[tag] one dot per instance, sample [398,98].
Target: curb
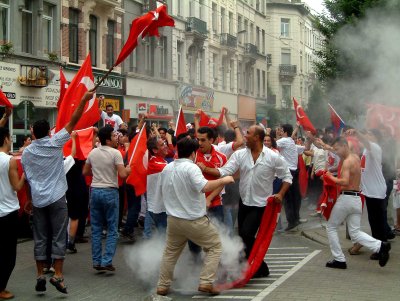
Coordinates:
[314,238]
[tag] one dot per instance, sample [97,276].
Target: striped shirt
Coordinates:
[43,165]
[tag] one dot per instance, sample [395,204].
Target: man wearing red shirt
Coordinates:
[208,156]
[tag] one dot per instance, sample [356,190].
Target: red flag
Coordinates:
[145,25]
[206,120]
[81,83]
[84,144]
[302,117]
[138,162]
[381,116]
[4,100]
[337,121]
[303,177]
[180,123]
[63,88]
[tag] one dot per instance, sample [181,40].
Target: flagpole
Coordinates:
[177,120]
[335,112]
[102,79]
[137,142]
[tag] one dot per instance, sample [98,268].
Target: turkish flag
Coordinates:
[147,24]
[139,159]
[302,117]
[63,88]
[84,144]
[337,121]
[382,116]
[206,120]
[4,100]
[81,83]
[180,123]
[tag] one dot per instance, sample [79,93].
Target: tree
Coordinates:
[317,109]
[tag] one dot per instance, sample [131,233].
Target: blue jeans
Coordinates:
[104,205]
[133,209]
[160,220]
[148,224]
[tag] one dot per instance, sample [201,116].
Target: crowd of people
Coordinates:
[196,182]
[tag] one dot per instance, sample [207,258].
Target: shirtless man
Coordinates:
[348,208]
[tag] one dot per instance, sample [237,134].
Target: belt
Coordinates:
[349,192]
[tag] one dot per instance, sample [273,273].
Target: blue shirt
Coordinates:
[43,165]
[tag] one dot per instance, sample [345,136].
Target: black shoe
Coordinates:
[81,240]
[374,256]
[71,248]
[334,264]
[128,236]
[384,253]
[391,235]
[40,284]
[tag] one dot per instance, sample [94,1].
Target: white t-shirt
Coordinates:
[319,158]
[288,150]
[225,148]
[373,183]
[8,197]
[115,121]
[181,183]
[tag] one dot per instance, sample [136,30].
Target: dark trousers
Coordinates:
[292,201]
[376,212]
[8,249]
[249,220]
[121,192]
[389,188]
[134,206]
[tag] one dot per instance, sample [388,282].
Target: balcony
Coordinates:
[228,40]
[251,49]
[287,71]
[196,25]
[34,76]
[269,59]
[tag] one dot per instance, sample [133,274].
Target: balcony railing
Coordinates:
[34,76]
[250,49]
[287,70]
[196,25]
[269,59]
[228,40]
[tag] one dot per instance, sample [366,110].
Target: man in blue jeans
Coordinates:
[104,163]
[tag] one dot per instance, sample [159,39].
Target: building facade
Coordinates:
[292,41]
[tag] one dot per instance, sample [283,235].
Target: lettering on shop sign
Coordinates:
[109,82]
[158,110]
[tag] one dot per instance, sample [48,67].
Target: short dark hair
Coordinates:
[4,133]
[186,146]
[221,129]
[211,133]
[162,129]
[105,134]
[340,141]
[287,128]
[109,105]
[41,128]
[273,142]
[27,137]
[229,135]
[123,132]
[152,144]
[258,130]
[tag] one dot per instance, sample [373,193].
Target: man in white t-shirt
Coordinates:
[108,117]
[182,186]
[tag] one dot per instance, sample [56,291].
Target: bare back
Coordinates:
[351,169]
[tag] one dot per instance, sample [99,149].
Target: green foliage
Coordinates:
[317,109]
[274,117]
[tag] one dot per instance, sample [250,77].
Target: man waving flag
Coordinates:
[81,83]
[302,118]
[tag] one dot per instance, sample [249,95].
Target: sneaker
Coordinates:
[128,236]
[315,214]
[40,284]
[303,220]
[109,267]
[384,253]
[391,235]
[71,248]
[334,264]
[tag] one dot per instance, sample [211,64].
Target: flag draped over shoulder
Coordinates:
[337,122]
[63,88]
[80,84]
[302,118]
[147,24]
[138,155]
[261,244]
[84,144]
[180,123]
[4,100]
[381,116]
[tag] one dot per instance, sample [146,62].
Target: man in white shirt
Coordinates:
[108,117]
[290,153]
[258,166]
[182,187]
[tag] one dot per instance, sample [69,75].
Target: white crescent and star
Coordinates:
[89,84]
[298,113]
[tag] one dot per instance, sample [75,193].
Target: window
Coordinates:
[263,84]
[110,43]
[285,57]
[191,9]
[179,47]
[27,27]
[258,82]
[214,17]
[4,21]
[231,73]
[258,37]
[246,34]
[201,10]
[163,57]
[73,35]
[251,33]
[179,7]
[47,28]
[263,42]
[239,29]
[223,20]
[230,23]
[93,39]
[285,30]
[239,80]
[223,71]
[215,66]
[147,55]
[286,95]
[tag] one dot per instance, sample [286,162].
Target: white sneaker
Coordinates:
[303,220]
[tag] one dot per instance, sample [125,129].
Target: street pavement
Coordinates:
[296,260]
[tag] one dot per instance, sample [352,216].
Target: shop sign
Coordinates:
[110,101]
[141,108]
[193,98]
[158,110]
[110,82]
